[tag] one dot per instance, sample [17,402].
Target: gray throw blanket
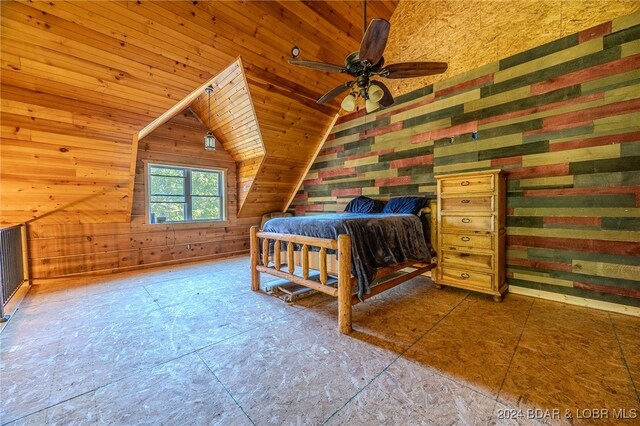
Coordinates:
[377,240]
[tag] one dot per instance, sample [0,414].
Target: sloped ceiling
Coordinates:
[81,78]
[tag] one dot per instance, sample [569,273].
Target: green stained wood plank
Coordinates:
[630,223]
[595,200]
[360,143]
[622,36]
[318,193]
[446,147]
[574,155]
[433,116]
[625,21]
[577,211]
[517,253]
[373,159]
[340,178]
[427,189]
[372,167]
[552,71]
[513,186]
[410,153]
[525,221]
[438,105]
[576,292]
[423,179]
[371,191]
[426,169]
[414,94]
[564,55]
[399,190]
[328,157]
[327,164]
[381,174]
[540,51]
[509,129]
[599,180]
[630,149]
[603,166]
[622,94]
[368,125]
[575,131]
[502,106]
[467,76]
[456,158]
[547,182]
[514,150]
[541,279]
[630,49]
[489,100]
[610,270]
[587,234]
[463,167]
[341,141]
[566,256]
[611,82]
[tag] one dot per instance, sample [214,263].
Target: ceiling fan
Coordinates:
[366,63]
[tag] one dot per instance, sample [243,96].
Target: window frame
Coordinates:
[188,196]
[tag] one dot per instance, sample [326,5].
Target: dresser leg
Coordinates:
[438,286]
[497,298]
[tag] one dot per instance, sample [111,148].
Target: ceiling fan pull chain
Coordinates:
[364,18]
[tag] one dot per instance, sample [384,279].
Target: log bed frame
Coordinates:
[307,260]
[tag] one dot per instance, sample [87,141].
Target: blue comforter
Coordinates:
[377,240]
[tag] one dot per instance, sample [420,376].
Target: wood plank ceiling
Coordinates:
[81,78]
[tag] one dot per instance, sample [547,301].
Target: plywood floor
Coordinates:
[193,345]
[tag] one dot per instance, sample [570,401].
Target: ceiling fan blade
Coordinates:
[387,98]
[320,66]
[413,69]
[374,41]
[335,92]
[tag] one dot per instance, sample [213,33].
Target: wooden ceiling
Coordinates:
[81,78]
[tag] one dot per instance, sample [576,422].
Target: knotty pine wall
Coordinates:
[563,119]
[61,245]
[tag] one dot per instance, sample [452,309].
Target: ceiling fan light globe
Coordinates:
[209,142]
[348,103]
[371,105]
[375,93]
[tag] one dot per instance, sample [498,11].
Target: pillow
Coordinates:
[364,204]
[411,205]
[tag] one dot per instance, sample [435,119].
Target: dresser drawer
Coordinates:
[463,240]
[466,259]
[455,204]
[468,222]
[467,185]
[465,278]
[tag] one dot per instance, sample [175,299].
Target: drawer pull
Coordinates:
[465,201]
[464,275]
[465,238]
[466,220]
[465,183]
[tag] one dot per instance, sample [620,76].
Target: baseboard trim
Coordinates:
[578,301]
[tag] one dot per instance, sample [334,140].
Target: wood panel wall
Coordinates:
[62,244]
[563,119]
[471,33]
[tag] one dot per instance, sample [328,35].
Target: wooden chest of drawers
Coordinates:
[471,231]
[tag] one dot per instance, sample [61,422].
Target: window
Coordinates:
[183,194]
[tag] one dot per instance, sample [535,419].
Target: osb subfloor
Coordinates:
[193,345]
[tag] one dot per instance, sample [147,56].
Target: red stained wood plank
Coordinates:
[538,264]
[350,116]
[506,161]
[555,126]
[594,32]
[301,197]
[415,161]
[580,221]
[469,127]
[629,292]
[581,191]
[539,171]
[346,192]
[311,182]
[405,108]
[601,140]
[599,71]
[331,150]
[547,107]
[381,130]
[400,180]
[591,114]
[331,137]
[591,246]
[476,82]
[510,211]
[336,172]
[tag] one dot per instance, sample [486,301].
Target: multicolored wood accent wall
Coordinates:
[563,119]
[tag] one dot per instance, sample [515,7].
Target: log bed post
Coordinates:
[255,255]
[344,284]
